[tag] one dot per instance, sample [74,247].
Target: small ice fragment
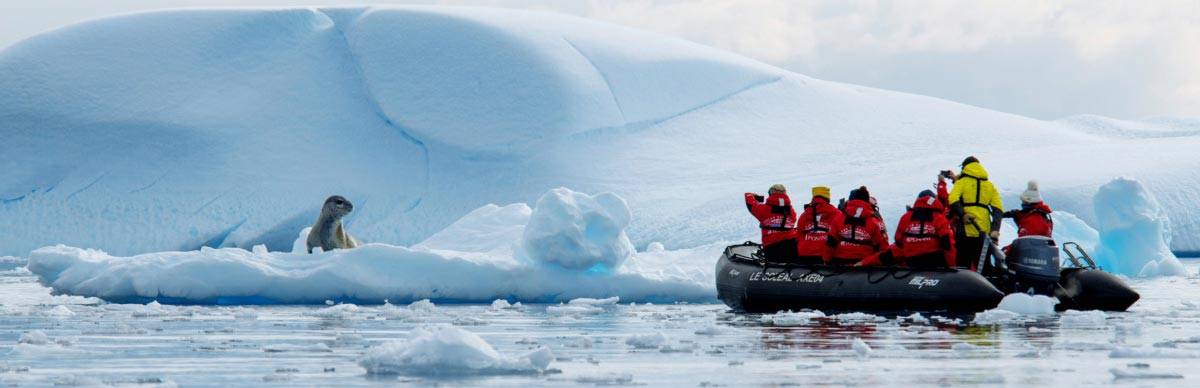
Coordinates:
[1128,374]
[1083,319]
[861,348]
[34,337]
[646,341]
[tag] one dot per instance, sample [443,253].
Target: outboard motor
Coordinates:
[1034,262]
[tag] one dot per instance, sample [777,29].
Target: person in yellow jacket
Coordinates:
[977,206]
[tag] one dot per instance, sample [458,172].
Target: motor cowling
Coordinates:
[1034,258]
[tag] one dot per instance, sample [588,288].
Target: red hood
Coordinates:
[819,200]
[779,199]
[858,208]
[928,202]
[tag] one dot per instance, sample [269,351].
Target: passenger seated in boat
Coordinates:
[814,226]
[924,238]
[777,220]
[1033,219]
[861,232]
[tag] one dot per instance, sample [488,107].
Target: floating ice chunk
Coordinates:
[858,317]
[1133,374]
[579,231]
[1135,232]
[422,305]
[647,341]
[319,347]
[1144,352]
[1083,319]
[341,311]
[996,317]
[861,348]
[788,318]
[916,318]
[1026,304]
[34,337]
[59,311]
[710,330]
[501,304]
[152,309]
[595,302]
[449,351]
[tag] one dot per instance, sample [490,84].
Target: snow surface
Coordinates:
[174,130]
[449,351]
[375,273]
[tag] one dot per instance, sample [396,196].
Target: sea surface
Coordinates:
[88,342]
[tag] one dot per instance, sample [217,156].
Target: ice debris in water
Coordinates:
[1144,352]
[449,351]
[1083,319]
[861,348]
[1131,374]
[34,337]
[788,318]
[1026,304]
[858,317]
[1135,232]
[583,306]
[647,341]
[579,231]
[1015,307]
[341,311]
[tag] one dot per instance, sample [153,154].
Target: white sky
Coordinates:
[1045,59]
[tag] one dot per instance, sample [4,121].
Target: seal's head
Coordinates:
[337,206]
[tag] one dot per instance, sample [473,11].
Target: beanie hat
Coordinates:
[821,191]
[925,193]
[860,194]
[1031,194]
[969,160]
[777,188]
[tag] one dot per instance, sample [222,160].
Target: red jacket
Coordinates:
[924,230]
[818,219]
[775,217]
[1032,220]
[860,234]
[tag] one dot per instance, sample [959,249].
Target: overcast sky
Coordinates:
[1044,59]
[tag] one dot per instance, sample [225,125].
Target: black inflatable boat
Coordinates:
[749,282]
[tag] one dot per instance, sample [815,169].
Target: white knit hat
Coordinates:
[1031,194]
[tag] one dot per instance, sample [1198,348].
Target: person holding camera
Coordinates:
[777,219]
[976,204]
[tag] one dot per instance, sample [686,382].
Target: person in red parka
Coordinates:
[777,219]
[1033,219]
[860,234]
[815,226]
[924,238]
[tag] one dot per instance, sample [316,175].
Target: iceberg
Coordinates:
[176,130]
[378,273]
[1135,231]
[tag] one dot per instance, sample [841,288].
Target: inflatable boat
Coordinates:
[748,282]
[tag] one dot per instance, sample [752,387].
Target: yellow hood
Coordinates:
[976,170]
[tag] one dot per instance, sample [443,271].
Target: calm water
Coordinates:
[91,343]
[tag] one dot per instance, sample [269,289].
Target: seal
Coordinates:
[327,232]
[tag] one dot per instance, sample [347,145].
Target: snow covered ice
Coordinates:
[339,104]
[490,268]
[515,233]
